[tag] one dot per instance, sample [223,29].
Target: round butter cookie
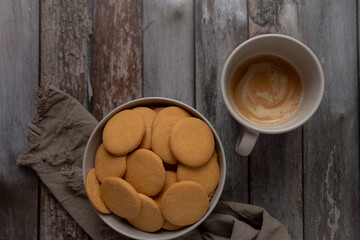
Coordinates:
[184,203]
[145,172]
[92,187]
[169,226]
[120,197]
[170,179]
[170,111]
[123,132]
[148,116]
[108,165]
[150,218]
[160,139]
[158,109]
[192,142]
[207,175]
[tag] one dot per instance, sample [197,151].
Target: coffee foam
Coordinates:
[267,93]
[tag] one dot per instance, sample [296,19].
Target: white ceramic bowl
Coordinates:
[121,225]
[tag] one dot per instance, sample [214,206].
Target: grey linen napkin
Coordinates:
[59,132]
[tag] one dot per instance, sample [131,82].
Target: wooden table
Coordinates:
[105,53]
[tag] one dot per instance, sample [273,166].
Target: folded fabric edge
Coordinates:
[72,175]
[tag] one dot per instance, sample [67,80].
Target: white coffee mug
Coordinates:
[308,67]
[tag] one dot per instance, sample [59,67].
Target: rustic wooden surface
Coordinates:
[117,54]
[19,56]
[169,49]
[308,179]
[219,29]
[331,138]
[275,170]
[65,33]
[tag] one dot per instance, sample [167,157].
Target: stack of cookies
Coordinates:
[156,168]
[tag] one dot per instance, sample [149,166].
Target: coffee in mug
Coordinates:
[259,96]
[266,89]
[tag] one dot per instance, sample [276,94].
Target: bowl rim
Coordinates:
[144,101]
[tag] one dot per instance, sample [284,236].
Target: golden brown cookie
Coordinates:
[108,165]
[150,218]
[148,116]
[192,142]
[207,175]
[120,197]
[158,109]
[145,172]
[170,111]
[161,136]
[170,179]
[123,132]
[184,203]
[93,192]
[169,226]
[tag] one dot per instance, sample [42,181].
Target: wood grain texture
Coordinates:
[19,63]
[64,38]
[276,161]
[65,30]
[55,221]
[275,16]
[331,137]
[276,179]
[220,26]
[169,49]
[117,59]
[117,54]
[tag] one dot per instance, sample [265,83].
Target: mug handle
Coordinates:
[246,141]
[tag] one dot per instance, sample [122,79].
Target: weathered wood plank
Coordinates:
[275,17]
[55,221]
[276,179]
[19,64]
[276,161]
[117,55]
[220,26]
[331,138]
[117,58]
[169,49]
[65,29]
